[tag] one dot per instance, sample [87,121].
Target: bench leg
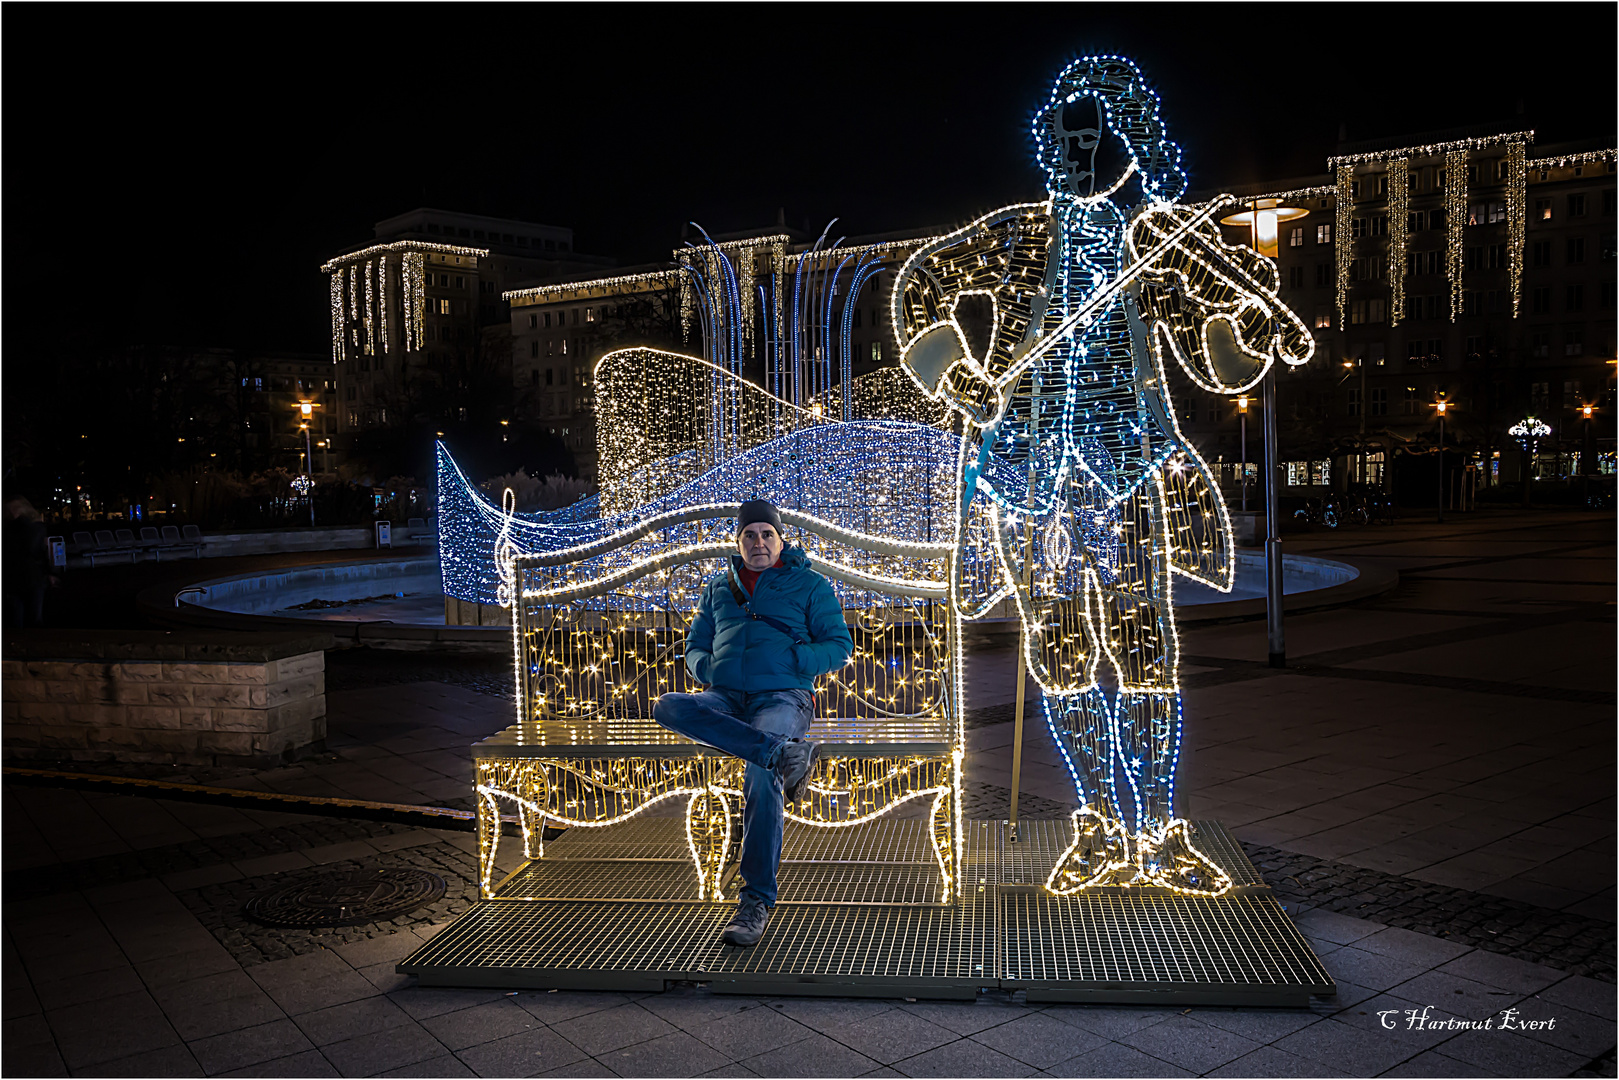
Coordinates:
[531,782]
[944,843]
[708,833]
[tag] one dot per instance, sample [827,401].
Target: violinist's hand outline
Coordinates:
[1254,324]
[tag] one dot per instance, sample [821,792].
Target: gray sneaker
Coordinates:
[747,926]
[794,764]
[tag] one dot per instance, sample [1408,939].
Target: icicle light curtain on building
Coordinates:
[1047,470]
[363,283]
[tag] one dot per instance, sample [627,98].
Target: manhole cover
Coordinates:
[345,899]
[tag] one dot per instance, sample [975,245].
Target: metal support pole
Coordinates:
[1243,476]
[1022,648]
[309,462]
[1441,468]
[1275,630]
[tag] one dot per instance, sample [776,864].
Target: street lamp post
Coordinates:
[1263,218]
[1242,413]
[1441,405]
[1529,431]
[306,412]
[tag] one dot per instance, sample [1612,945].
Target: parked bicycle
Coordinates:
[1327,510]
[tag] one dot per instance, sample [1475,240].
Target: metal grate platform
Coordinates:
[849,924]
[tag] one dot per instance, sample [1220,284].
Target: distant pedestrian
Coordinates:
[27,564]
[764,631]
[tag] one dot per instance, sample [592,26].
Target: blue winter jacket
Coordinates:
[727,649]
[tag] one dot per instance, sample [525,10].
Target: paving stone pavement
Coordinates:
[1438,764]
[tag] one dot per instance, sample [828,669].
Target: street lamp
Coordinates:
[1441,405]
[1242,413]
[306,412]
[1263,218]
[1529,431]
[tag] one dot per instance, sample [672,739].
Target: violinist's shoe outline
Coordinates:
[1172,860]
[1099,855]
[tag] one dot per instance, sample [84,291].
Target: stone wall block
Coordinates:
[226,719]
[47,669]
[154,716]
[294,667]
[22,690]
[169,693]
[131,671]
[67,738]
[224,696]
[195,718]
[36,712]
[129,693]
[287,690]
[233,743]
[251,674]
[194,672]
[68,691]
[13,669]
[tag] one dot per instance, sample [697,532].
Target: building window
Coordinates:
[1380,225]
[1379,398]
[1354,402]
[1574,341]
[1574,299]
[1475,346]
[1357,228]
[1540,253]
[565,344]
[1323,234]
[1571,394]
[534,348]
[876,352]
[444,307]
[1295,277]
[1576,206]
[1540,301]
[534,376]
[1323,320]
[1323,275]
[1576,249]
[1543,210]
[576,316]
[533,321]
[1497,256]
[1382,183]
[1408,401]
[590,314]
[460,282]
[550,347]
[1537,396]
[1540,344]
[548,320]
[550,376]
[1608,197]
[1295,236]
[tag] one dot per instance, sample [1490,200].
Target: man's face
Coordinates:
[1093,158]
[760,545]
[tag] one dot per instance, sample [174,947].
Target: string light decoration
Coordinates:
[1074,473]
[338,350]
[1453,146]
[414,278]
[1071,492]
[361,312]
[1564,161]
[1517,179]
[370,313]
[1399,206]
[1343,246]
[1455,221]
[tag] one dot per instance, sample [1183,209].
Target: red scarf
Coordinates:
[750,578]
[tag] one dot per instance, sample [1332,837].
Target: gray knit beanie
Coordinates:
[757,510]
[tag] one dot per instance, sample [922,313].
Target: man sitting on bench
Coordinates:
[763,632]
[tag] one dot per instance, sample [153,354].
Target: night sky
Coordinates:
[182,173]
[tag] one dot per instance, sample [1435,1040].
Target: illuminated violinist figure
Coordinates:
[1048,326]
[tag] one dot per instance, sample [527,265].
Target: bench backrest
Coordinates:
[600,628]
[148,534]
[82,539]
[191,532]
[171,534]
[104,538]
[125,537]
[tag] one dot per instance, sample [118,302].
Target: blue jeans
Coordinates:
[752,727]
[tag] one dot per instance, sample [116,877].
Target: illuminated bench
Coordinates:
[599,634]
